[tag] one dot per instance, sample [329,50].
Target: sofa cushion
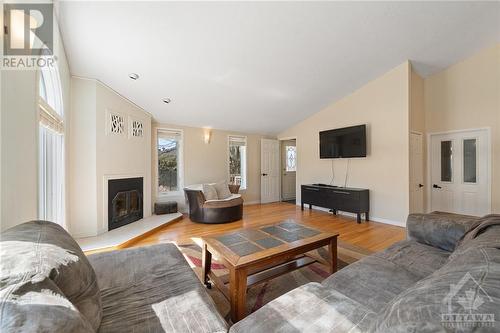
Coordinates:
[419,259]
[441,230]
[222,190]
[34,251]
[466,285]
[372,281]
[309,308]
[485,234]
[210,192]
[39,307]
[151,289]
[233,200]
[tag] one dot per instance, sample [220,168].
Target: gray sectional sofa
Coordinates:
[47,284]
[444,278]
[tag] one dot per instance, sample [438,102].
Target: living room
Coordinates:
[250,166]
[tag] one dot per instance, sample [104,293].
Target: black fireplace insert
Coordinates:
[125,201]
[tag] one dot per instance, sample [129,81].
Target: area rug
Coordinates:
[260,294]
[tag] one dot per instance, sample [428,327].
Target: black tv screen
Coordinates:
[343,142]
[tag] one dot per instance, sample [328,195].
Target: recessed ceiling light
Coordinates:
[133,76]
[166,100]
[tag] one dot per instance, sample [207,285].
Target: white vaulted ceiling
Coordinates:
[262,66]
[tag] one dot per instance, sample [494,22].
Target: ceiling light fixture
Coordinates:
[167,100]
[133,76]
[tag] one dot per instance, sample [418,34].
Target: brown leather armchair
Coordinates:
[213,211]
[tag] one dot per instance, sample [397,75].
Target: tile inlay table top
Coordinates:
[254,255]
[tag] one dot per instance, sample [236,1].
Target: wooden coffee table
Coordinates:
[254,255]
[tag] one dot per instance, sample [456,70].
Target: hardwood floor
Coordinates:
[372,236]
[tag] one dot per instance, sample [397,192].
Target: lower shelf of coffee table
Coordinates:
[262,275]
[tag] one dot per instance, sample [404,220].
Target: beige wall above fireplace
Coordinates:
[110,137]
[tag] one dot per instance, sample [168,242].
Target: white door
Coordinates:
[460,163]
[269,170]
[288,169]
[416,173]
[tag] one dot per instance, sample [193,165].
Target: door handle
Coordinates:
[341,192]
[420,185]
[264,174]
[436,186]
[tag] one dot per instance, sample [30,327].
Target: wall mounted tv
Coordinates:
[343,142]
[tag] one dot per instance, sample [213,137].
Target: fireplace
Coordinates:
[125,201]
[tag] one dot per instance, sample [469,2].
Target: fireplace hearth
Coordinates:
[125,201]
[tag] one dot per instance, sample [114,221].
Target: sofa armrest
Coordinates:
[122,267]
[437,229]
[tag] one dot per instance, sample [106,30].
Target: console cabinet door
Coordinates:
[347,200]
[313,195]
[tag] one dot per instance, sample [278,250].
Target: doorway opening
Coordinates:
[288,153]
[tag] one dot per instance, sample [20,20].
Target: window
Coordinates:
[238,160]
[446,161]
[169,150]
[51,147]
[470,161]
[291,158]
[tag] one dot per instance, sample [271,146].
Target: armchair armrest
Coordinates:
[437,229]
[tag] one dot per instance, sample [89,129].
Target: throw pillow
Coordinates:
[48,251]
[222,190]
[210,192]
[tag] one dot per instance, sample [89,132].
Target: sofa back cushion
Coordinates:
[34,251]
[210,192]
[441,230]
[222,190]
[463,294]
[39,307]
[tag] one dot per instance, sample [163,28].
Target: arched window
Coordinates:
[51,146]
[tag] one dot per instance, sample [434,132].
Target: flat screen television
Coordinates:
[343,142]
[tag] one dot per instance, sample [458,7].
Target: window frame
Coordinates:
[51,118]
[180,164]
[244,185]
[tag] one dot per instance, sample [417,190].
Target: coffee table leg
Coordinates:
[332,249]
[206,259]
[238,293]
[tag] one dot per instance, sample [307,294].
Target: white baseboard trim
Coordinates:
[372,218]
[83,234]
[255,202]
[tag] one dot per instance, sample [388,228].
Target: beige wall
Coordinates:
[82,158]
[382,104]
[19,138]
[120,156]
[417,107]
[467,96]
[206,163]
[97,156]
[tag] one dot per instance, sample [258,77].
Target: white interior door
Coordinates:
[460,164]
[288,169]
[269,170]
[416,173]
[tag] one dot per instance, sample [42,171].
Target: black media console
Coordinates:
[353,200]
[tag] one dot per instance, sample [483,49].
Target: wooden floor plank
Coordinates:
[372,236]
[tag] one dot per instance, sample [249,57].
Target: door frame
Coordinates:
[429,164]
[281,166]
